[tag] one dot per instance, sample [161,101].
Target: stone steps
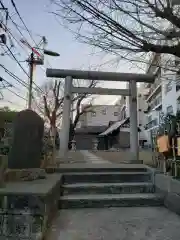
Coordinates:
[110,200]
[107,188]
[83,168]
[106,177]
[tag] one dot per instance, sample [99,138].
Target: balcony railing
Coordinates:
[153,90]
[157,103]
[151,124]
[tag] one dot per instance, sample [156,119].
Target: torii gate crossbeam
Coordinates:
[69,75]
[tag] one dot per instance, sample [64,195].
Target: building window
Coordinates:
[116,113]
[168,87]
[93,114]
[104,111]
[170,110]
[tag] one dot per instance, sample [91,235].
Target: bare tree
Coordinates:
[127,28]
[50,106]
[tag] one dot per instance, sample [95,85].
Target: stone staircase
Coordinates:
[109,187]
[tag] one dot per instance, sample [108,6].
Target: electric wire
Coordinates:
[17,11]
[37,87]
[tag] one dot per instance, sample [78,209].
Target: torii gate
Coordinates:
[132,78]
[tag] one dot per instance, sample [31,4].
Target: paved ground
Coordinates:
[92,158]
[72,157]
[117,224]
[124,156]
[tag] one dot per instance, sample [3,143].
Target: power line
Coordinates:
[29,30]
[2,5]
[38,88]
[19,43]
[22,82]
[13,54]
[11,85]
[17,11]
[16,94]
[17,61]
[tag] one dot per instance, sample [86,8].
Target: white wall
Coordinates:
[169,98]
[100,119]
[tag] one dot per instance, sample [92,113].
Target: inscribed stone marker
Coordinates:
[27,142]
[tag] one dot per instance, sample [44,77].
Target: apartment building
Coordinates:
[99,115]
[141,106]
[163,96]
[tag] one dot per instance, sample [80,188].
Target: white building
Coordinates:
[141,106]
[163,96]
[99,115]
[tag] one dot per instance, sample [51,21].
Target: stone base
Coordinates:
[25,174]
[61,160]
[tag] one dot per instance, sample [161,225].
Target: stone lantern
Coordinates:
[95,144]
[73,145]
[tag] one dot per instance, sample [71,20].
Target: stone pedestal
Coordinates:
[16,175]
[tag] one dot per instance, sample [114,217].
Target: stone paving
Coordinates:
[150,223]
[92,158]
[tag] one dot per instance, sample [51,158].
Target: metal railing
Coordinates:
[153,89]
[151,124]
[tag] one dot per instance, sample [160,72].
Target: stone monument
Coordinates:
[27,141]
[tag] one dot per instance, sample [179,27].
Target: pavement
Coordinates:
[92,158]
[139,223]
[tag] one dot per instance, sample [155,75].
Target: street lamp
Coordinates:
[39,60]
[51,53]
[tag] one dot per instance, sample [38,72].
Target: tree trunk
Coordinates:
[53,134]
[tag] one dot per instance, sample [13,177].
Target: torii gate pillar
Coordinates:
[134,139]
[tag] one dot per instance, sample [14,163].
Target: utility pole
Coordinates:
[31,68]
[36,58]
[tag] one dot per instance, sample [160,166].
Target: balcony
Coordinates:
[154,90]
[157,103]
[147,110]
[151,124]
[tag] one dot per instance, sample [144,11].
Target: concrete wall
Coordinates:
[170,188]
[103,114]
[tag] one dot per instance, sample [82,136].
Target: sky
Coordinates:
[73,55]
